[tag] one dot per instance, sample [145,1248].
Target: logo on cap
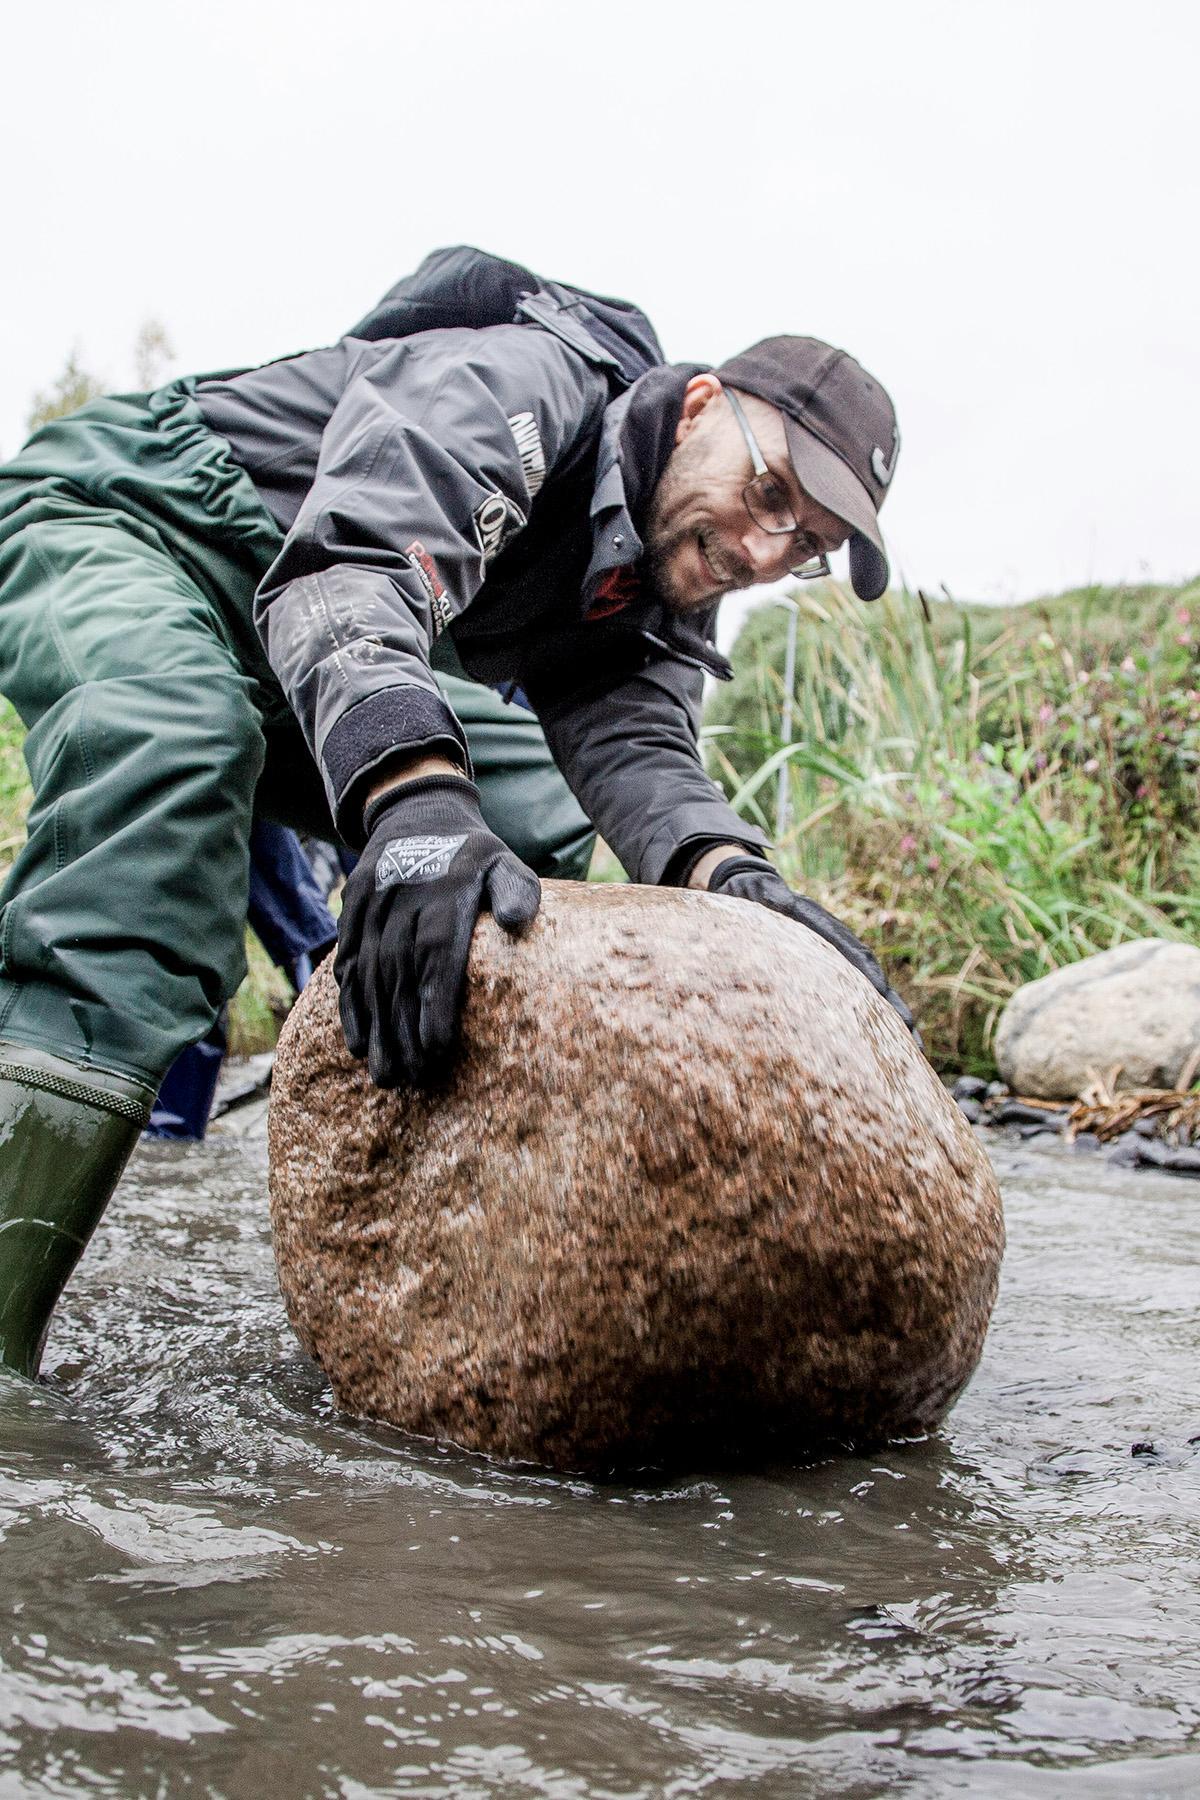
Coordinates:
[882,469]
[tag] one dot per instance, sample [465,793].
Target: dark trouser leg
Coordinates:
[289,917]
[185,1098]
[121,925]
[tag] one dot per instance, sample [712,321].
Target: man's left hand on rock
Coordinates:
[751,878]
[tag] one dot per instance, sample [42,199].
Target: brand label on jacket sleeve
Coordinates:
[528,438]
[496,518]
[426,570]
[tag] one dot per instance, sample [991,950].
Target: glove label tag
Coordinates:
[416,859]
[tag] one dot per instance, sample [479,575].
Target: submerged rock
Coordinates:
[692,1193]
[1178,1159]
[1135,1009]
[1016,1112]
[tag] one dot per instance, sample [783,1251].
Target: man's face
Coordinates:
[701,542]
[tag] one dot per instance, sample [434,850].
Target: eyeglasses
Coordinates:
[769,505]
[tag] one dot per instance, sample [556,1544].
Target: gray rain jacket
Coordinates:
[453,465]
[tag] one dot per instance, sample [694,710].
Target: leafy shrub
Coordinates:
[984,794]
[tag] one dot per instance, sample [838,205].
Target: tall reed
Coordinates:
[984,794]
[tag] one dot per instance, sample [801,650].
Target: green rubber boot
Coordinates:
[65,1135]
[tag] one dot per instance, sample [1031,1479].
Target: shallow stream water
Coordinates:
[211,1583]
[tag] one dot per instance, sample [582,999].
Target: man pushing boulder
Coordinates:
[445,590]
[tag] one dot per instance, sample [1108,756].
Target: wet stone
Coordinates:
[1015,1112]
[242,1080]
[969,1087]
[972,1111]
[1177,1159]
[691,1194]
[1135,1009]
[1124,1151]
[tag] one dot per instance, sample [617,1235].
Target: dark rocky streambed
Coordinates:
[212,1584]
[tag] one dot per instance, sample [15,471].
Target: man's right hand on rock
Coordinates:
[430,867]
[753,878]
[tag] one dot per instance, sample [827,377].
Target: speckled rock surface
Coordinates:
[1135,1009]
[692,1194]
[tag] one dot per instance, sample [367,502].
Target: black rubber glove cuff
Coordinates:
[678,871]
[376,809]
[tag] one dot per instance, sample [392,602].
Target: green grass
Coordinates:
[984,794]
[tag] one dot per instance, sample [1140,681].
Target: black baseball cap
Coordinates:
[841,432]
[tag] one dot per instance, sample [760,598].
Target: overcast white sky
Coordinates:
[993,206]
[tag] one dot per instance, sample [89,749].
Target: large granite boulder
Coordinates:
[692,1193]
[1135,1009]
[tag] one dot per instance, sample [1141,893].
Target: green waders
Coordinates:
[130,548]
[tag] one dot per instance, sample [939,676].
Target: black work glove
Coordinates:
[750,878]
[431,866]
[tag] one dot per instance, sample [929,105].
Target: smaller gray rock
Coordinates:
[243,1079]
[1135,1009]
[1177,1159]
[1124,1152]
[971,1111]
[1015,1112]
[996,1090]
[969,1087]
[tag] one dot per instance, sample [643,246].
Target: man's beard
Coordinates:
[660,579]
[685,471]
[661,543]
[660,557]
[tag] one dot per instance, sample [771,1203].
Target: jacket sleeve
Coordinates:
[631,755]
[428,465]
